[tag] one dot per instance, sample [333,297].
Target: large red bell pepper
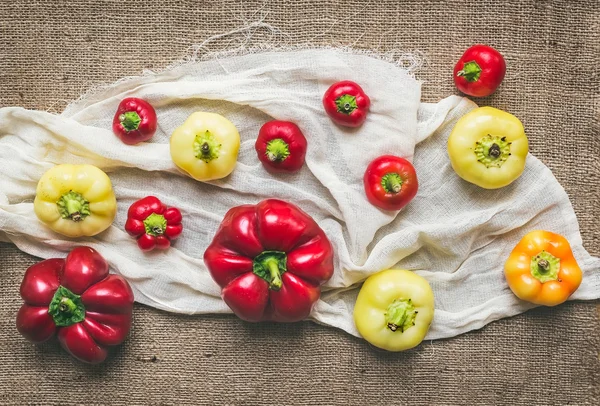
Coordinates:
[78,300]
[270,260]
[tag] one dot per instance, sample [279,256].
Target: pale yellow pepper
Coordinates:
[205,146]
[75,200]
[394,309]
[488,147]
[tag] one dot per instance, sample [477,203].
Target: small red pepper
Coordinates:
[346,103]
[153,224]
[76,299]
[479,71]
[270,259]
[134,121]
[281,146]
[390,182]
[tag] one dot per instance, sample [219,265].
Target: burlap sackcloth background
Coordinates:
[51,54]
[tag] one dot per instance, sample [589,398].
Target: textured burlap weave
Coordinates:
[51,53]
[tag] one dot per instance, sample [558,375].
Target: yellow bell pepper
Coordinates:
[205,146]
[394,309]
[488,147]
[75,200]
[542,269]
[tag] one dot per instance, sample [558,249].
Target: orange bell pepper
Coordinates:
[541,269]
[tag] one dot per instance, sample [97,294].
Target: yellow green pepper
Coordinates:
[394,309]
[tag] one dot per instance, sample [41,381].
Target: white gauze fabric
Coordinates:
[455,234]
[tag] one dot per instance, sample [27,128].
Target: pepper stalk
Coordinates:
[270,265]
[471,71]
[66,308]
[206,147]
[392,182]
[277,150]
[400,315]
[130,120]
[73,206]
[346,104]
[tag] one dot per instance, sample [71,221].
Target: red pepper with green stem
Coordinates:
[153,224]
[270,260]
[346,103]
[390,182]
[134,121]
[479,71]
[281,146]
[77,300]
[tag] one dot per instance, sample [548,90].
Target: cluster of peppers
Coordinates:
[488,147]
[270,259]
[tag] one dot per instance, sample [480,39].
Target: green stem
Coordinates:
[400,315]
[392,182]
[66,308]
[277,150]
[206,147]
[470,71]
[270,265]
[73,206]
[155,224]
[273,268]
[346,104]
[130,120]
[544,267]
[492,150]
[74,209]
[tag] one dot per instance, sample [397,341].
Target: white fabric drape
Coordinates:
[455,234]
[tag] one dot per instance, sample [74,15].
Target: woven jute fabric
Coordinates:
[51,52]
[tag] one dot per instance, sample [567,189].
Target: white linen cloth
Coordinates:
[455,234]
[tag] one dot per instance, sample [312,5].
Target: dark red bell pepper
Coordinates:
[134,121]
[390,182]
[270,260]
[346,103]
[76,299]
[153,224]
[281,146]
[479,71]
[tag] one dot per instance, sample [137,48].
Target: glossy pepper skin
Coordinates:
[541,269]
[270,260]
[281,146]
[346,104]
[394,309]
[75,200]
[134,121]
[153,224]
[390,182]
[77,300]
[479,71]
[488,147]
[205,146]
